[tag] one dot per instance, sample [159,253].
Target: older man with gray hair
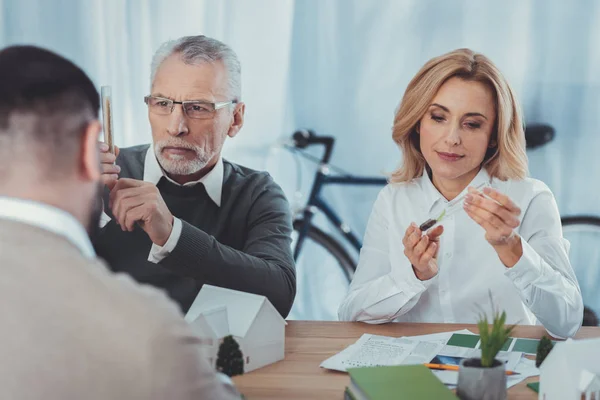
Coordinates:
[177,215]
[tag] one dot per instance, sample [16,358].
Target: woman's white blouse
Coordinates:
[540,288]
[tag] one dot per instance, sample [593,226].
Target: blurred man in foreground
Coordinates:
[71,329]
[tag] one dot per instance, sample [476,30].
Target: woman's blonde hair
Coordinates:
[506,160]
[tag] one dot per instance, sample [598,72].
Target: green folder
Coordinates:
[506,345]
[470,341]
[528,346]
[462,340]
[535,386]
[403,382]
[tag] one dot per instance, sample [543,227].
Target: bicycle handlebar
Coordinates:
[537,135]
[305,137]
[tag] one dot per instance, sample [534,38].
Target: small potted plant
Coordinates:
[230,359]
[543,350]
[485,378]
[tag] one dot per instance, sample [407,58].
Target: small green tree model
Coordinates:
[543,350]
[492,339]
[230,359]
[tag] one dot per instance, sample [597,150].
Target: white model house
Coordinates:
[251,319]
[571,371]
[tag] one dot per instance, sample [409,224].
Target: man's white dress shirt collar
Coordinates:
[49,218]
[212,181]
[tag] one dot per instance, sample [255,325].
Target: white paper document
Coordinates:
[374,350]
[423,353]
[369,351]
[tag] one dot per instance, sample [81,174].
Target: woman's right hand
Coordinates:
[110,171]
[421,250]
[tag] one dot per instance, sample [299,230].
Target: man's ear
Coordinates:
[89,161]
[238,120]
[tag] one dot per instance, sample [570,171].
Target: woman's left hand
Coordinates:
[499,216]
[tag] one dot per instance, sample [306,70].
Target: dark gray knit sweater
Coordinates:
[244,244]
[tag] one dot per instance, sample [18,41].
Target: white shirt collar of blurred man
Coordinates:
[49,218]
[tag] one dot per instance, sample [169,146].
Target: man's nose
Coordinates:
[177,122]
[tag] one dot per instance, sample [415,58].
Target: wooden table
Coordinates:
[308,343]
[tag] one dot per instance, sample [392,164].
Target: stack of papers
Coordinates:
[374,350]
[438,348]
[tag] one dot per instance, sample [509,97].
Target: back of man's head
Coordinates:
[46,106]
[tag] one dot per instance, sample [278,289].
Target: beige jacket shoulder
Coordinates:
[70,329]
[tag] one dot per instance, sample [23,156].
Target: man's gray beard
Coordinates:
[182,166]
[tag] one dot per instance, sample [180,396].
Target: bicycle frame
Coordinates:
[316,202]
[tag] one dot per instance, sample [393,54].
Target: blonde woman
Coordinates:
[459,127]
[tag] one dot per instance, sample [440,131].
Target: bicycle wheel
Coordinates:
[323,272]
[583,232]
[346,263]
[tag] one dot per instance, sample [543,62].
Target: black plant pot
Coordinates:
[480,383]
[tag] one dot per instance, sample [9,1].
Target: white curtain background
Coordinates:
[340,67]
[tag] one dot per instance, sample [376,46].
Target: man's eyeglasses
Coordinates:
[192,108]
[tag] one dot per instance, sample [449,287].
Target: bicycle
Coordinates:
[303,225]
[537,135]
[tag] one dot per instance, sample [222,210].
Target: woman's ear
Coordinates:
[493,144]
[418,128]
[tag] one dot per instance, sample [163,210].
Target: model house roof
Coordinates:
[241,308]
[588,381]
[579,360]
